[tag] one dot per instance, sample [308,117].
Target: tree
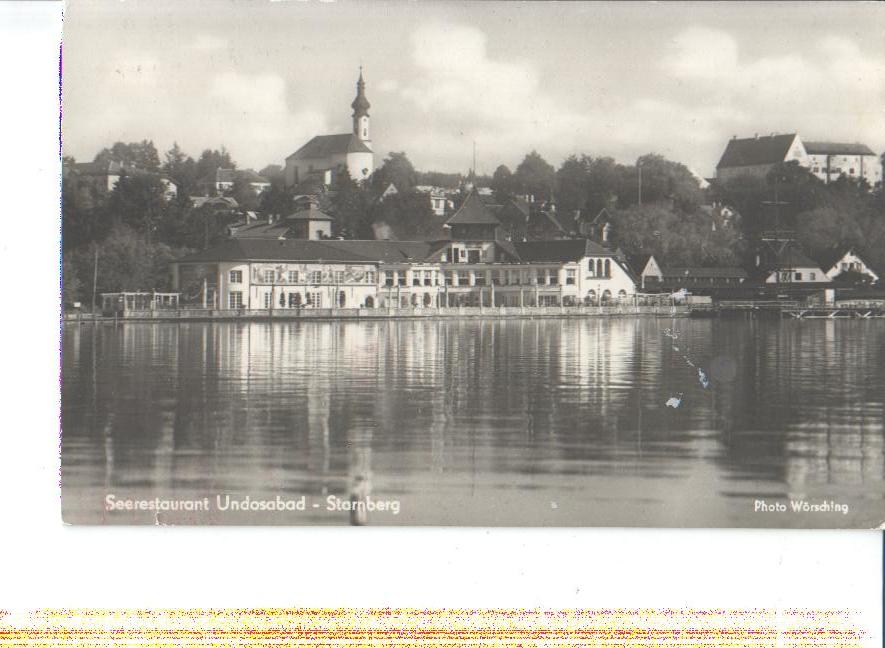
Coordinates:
[72,287]
[675,237]
[84,216]
[138,202]
[182,170]
[535,176]
[126,262]
[409,215]
[209,162]
[350,206]
[271,172]
[603,184]
[396,169]
[276,200]
[142,155]
[244,194]
[663,179]
[503,183]
[572,181]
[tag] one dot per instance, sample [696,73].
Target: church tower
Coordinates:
[361,107]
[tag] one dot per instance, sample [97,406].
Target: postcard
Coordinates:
[473,264]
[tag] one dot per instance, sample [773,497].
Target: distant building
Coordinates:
[331,153]
[829,160]
[756,156]
[849,261]
[307,222]
[271,266]
[695,279]
[439,201]
[104,176]
[790,266]
[225,179]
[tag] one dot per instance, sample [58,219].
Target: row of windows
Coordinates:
[597,268]
[312,277]
[797,276]
[541,277]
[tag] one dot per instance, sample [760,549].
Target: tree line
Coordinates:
[655,206]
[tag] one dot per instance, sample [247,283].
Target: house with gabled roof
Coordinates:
[272,265]
[756,156]
[843,263]
[329,154]
[829,160]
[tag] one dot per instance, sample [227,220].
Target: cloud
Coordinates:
[208,43]
[251,114]
[829,90]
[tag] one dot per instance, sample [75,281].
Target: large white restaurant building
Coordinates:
[471,268]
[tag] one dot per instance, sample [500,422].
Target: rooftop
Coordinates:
[473,212]
[751,151]
[837,148]
[322,146]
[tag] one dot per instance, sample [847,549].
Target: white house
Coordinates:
[757,155]
[851,261]
[829,160]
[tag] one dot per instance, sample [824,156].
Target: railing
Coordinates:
[389,312]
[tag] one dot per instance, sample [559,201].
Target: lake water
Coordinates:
[477,422]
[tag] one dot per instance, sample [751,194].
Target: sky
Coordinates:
[604,79]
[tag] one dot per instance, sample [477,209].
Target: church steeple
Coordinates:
[361,107]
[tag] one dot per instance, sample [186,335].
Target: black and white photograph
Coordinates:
[472,264]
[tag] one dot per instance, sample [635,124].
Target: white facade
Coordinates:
[261,285]
[829,167]
[851,262]
[797,275]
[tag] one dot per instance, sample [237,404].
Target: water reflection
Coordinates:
[479,421]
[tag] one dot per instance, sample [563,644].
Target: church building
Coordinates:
[326,155]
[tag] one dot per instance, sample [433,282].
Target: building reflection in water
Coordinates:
[437,408]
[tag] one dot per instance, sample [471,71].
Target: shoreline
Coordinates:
[334,314]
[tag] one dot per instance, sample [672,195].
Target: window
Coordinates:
[447,275]
[463,278]
[339,276]
[591,267]
[388,278]
[428,278]
[268,301]
[342,299]
[294,300]
[570,277]
[314,299]
[401,278]
[371,277]
[473,256]
[608,268]
[496,277]
[798,276]
[416,277]
[293,276]
[851,170]
[542,277]
[812,276]
[554,277]
[236,277]
[282,300]
[479,278]
[815,169]
[268,276]
[316,276]
[235,299]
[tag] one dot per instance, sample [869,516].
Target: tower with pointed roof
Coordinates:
[361,107]
[322,158]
